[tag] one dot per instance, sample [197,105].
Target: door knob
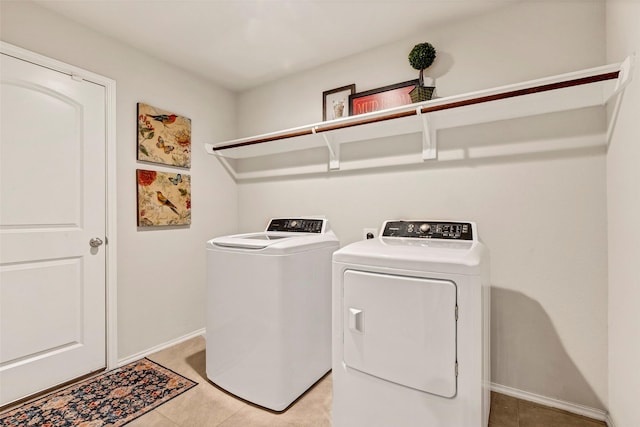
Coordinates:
[95,242]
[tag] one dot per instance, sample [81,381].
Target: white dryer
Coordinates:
[411,328]
[269,310]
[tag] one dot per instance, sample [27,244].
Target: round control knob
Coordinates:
[425,227]
[293,224]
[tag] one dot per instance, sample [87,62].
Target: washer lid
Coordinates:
[253,240]
[282,236]
[274,242]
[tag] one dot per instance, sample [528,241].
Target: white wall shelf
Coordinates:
[586,88]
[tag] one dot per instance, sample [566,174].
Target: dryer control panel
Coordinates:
[429,230]
[302,225]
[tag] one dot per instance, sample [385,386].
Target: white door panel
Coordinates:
[53,201]
[59,142]
[24,286]
[401,329]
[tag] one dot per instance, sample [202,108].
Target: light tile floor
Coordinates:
[206,405]
[507,411]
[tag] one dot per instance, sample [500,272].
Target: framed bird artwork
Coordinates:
[163,137]
[163,198]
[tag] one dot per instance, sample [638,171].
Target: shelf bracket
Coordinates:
[334,149]
[225,163]
[429,142]
[626,71]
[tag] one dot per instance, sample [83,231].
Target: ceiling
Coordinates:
[240,44]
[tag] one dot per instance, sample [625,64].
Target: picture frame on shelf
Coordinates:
[382,98]
[335,102]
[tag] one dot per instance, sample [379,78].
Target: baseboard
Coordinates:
[609,421]
[145,353]
[574,408]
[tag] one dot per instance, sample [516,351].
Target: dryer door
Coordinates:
[401,329]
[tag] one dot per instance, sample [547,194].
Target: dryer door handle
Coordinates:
[356,320]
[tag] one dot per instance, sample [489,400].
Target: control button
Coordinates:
[425,227]
[293,224]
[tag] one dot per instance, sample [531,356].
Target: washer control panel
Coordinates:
[301,225]
[429,230]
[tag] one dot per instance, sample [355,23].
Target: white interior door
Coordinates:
[52,203]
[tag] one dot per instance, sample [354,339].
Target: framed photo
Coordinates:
[163,137]
[335,102]
[382,98]
[164,198]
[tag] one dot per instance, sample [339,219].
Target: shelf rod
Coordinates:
[526,91]
[429,109]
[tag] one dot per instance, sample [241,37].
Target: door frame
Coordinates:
[111,323]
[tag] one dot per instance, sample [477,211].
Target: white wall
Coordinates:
[623,192]
[514,44]
[161,272]
[541,213]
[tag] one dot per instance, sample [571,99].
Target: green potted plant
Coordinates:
[421,57]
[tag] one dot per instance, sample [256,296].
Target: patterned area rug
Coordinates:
[113,398]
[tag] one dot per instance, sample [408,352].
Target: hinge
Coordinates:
[456,312]
[76,78]
[456,368]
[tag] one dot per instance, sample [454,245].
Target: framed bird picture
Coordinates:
[163,137]
[163,198]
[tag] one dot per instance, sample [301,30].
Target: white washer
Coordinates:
[411,328]
[269,310]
